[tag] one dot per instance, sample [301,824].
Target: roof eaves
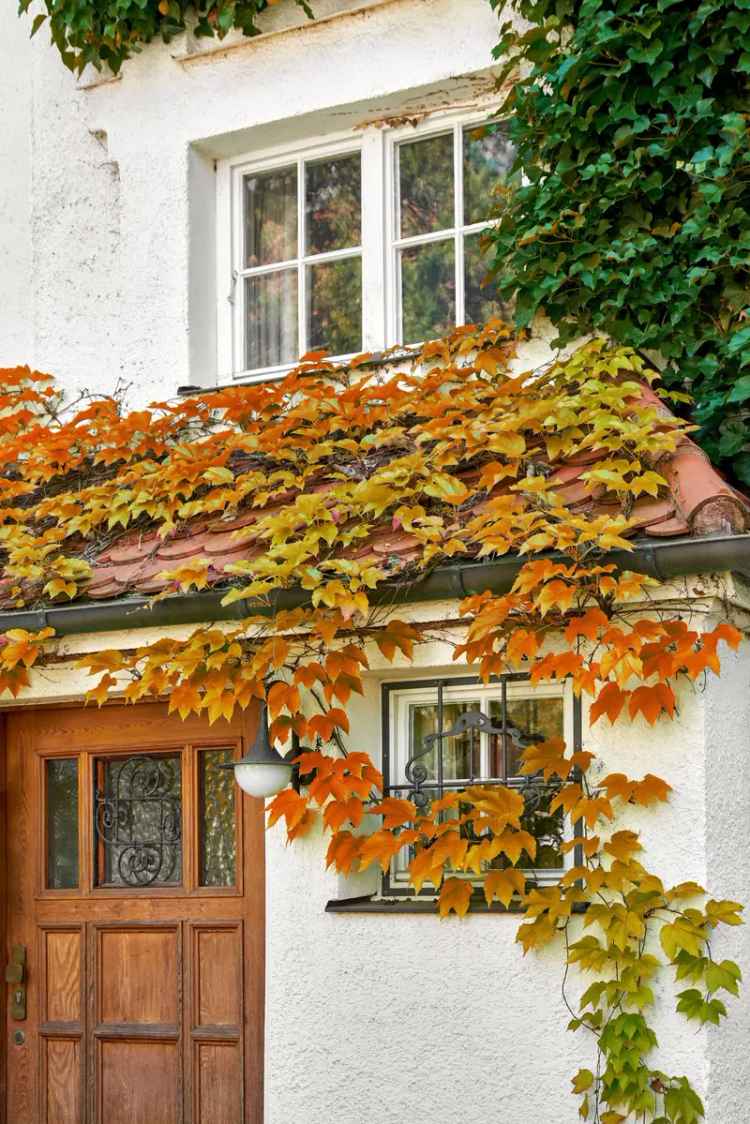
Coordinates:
[662,560]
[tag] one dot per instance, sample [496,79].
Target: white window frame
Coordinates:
[381,313]
[399,701]
[439,125]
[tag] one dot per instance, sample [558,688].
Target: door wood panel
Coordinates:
[144,1002]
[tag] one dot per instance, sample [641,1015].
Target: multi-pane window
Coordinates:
[368,242]
[302,269]
[445,187]
[430,749]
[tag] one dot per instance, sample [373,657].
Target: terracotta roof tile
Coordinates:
[698,502]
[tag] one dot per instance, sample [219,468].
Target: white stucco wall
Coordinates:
[377,1019]
[106,211]
[112,185]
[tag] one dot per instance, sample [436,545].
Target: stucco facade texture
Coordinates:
[106,222]
[109,206]
[377,1019]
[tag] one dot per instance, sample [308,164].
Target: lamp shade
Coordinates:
[262,771]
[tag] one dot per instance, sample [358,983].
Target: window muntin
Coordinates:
[445,185]
[353,248]
[301,271]
[412,714]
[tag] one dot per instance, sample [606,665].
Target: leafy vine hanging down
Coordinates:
[463,457]
[631,124]
[107,32]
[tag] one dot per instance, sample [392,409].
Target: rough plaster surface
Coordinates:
[450,1014]
[371,1020]
[727,800]
[95,189]
[380,1019]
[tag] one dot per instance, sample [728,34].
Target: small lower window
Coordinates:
[440,736]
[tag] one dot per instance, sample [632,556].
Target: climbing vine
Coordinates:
[107,32]
[450,448]
[630,122]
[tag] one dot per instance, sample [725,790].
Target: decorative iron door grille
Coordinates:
[426,778]
[138,814]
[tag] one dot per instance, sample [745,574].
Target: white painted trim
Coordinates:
[402,699]
[380,246]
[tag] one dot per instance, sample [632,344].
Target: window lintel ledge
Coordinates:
[271,24]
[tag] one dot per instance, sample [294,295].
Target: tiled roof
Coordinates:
[698,503]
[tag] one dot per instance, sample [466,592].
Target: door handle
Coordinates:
[15,974]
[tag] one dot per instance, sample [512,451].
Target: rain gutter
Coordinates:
[661,560]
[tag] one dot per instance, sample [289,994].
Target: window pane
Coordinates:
[333,204]
[426,185]
[218,844]
[487,158]
[271,216]
[271,312]
[138,819]
[62,824]
[537,719]
[482,301]
[428,291]
[334,306]
[461,754]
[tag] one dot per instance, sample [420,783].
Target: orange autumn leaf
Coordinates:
[455,897]
[609,701]
[395,812]
[323,725]
[288,804]
[549,757]
[382,847]
[650,790]
[623,845]
[100,692]
[588,625]
[503,884]
[651,701]
[343,851]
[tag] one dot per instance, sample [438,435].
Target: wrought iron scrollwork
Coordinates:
[138,818]
[425,784]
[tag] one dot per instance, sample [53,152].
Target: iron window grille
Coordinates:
[419,786]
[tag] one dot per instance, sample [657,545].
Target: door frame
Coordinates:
[245,726]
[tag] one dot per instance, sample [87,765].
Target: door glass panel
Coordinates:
[461,753]
[62,823]
[482,302]
[217,812]
[138,820]
[537,720]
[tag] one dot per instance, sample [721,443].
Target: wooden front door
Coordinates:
[135,887]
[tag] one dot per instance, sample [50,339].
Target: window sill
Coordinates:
[371,903]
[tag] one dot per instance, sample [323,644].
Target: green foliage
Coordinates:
[630,122]
[106,32]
